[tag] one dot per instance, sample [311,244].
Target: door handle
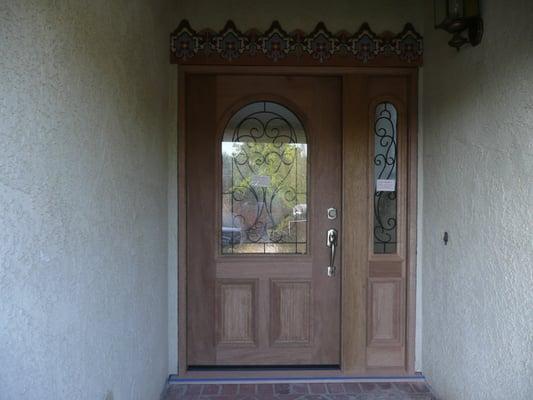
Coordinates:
[331,242]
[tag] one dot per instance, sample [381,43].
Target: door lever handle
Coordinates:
[331,242]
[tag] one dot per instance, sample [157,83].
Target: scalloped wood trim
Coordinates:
[277,47]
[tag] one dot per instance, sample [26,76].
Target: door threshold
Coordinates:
[175,379]
[243,368]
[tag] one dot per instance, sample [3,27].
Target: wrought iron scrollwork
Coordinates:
[267,145]
[385,213]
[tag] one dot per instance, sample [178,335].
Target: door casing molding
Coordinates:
[350,365]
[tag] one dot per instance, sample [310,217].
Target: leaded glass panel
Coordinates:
[264,183]
[385,179]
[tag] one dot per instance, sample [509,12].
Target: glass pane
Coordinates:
[441,13]
[385,150]
[264,182]
[455,8]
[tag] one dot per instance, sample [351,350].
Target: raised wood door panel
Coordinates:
[261,309]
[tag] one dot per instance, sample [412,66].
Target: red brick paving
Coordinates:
[335,387]
[420,387]
[352,387]
[317,388]
[247,389]
[230,389]
[301,391]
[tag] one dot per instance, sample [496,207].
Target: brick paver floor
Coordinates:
[301,391]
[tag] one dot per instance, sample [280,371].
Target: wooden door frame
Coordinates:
[411,74]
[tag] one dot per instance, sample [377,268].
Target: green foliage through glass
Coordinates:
[264,193]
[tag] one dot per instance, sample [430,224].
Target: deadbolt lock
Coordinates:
[332,213]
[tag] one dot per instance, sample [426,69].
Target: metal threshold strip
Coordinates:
[288,367]
[175,379]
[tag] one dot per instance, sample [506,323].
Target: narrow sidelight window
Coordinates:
[385,179]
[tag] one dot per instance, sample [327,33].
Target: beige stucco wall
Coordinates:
[88,193]
[478,179]
[84,119]
[303,14]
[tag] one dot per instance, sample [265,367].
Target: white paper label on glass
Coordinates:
[261,180]
[386,185]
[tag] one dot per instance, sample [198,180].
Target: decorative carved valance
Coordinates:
[277,47]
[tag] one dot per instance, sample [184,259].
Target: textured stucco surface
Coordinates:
[303,14]
[84,117]
[478,179]
[382,15]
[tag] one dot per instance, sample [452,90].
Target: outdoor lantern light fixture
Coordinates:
[458,16]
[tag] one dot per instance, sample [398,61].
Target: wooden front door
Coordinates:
[273,165]
[263,167]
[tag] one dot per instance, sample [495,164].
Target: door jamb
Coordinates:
[412,156]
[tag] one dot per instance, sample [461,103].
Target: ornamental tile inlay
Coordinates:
[276,45]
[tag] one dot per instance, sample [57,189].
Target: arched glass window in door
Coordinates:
[264,182]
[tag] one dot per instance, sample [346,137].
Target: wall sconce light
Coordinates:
[457,16]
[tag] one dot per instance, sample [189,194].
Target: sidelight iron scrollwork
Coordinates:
[264,155]
[385,165]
